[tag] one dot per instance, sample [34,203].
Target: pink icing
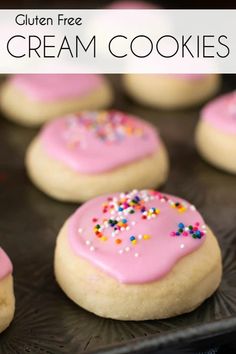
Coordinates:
[142,5]
[5,264]
[157,247]
[93,142]
[51,87]
[221,113]
[190,76]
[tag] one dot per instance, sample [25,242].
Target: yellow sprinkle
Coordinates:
[146,237]
[134,242]
[103,238]
[181,210]
[129,130]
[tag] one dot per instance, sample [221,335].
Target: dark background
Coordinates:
[210,4]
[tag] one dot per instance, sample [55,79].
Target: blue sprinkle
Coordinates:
[132,238]
[124,221]
[177,233]
[181,225]
[120,209]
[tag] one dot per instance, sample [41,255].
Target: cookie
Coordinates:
[140,255]
[216,132]
[171,91]
[7,299]
[93,153]
[34,99]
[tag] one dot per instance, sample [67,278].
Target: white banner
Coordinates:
[118,41]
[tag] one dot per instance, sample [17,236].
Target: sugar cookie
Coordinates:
[92,153]
[171,91]
[216,132]
[34,99]
[7,299]
[137,256]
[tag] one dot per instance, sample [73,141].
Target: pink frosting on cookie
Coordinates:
[52,87]
[221,113]
[5,264]
[135,237]
[190,76]
[94,142]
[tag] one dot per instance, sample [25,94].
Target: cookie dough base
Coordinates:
[21,109]
[193,279]
[169,92]
[216,147]
[7,302]
[63,183]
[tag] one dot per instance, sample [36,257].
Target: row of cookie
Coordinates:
[93,153]
[138,255]
[107,228]
[34,99]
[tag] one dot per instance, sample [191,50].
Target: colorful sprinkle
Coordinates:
[110,127]
[193,230]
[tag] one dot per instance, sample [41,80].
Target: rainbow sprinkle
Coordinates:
[108,126]
[117,214]
[190,230]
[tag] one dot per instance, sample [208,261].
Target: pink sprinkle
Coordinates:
[185,233]
[172,233]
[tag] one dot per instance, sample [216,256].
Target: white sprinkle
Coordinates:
[127,249]
[88,242]
[140,237]
[128,228]
[186,228]
[80,230]
[203,226]
[182,245]
[192,207]
[136,255]
[133,223]
[162,200]
[120,251]
[92,248]
[113,234]
[112,212]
